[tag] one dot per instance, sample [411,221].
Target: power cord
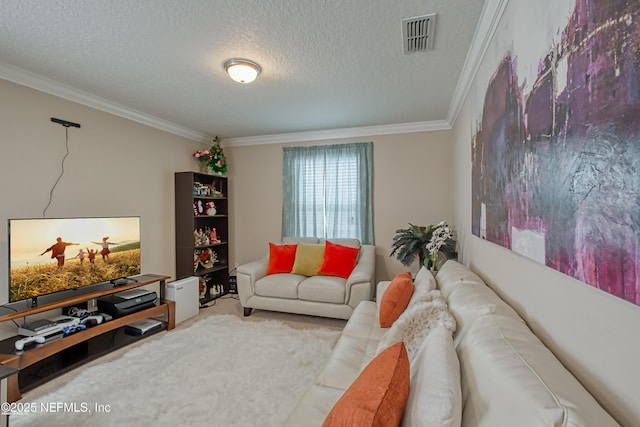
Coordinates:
[15,311]
[66,125]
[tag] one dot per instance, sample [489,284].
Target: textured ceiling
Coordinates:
[328,64]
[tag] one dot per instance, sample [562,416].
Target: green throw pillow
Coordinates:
[308,259]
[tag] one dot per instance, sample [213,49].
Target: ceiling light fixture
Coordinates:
[242,70]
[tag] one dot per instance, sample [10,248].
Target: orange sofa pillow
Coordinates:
[395,299]
[281,258]
[378,396]
[339,260]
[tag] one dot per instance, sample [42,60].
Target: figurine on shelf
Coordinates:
[198,208]
[214,191]
[203,258]
[202,287]
[211,209]
[200,189]
[216,290]
[214,236]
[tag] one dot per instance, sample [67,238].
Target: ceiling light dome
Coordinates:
[242,70]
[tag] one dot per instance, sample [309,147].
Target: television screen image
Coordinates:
[56,254]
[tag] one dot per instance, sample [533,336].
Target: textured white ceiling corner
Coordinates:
[330,68]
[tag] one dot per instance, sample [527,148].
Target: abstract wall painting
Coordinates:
[556,144]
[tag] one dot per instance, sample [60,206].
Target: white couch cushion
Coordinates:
[423,283]
[469,297]
[435,398]
[323,289]
[352,243]
[348,358]
[364,322]
[313,407]
[289,240]
[281,285]
[509,378]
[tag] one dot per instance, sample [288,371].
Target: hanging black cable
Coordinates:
[66,125]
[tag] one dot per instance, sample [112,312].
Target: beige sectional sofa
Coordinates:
[325,296]
[501,374]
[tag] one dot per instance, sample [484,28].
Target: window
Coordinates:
[327,191]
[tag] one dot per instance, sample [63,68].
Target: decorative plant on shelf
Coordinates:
[441,241]
[213,158]
[411,243]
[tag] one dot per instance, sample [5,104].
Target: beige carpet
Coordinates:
[228,304]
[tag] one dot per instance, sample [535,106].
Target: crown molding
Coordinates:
[485,29]
[43,84]
[355,132]
[489,18]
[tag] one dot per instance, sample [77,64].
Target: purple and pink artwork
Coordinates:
[556,162]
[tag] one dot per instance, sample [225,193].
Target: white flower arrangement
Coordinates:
[441,233]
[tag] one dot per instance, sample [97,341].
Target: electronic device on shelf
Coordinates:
[27,340]
[63,320]
[92,320]
[38,327]
[70,253]
[127,302]
[46,326]
[142,327]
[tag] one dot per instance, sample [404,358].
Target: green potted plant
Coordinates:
[409,243]
[414,242]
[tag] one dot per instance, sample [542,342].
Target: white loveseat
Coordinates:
[326,296]
[500,373]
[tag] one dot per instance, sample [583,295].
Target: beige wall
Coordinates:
[116,167]
[413,183]
[593,333]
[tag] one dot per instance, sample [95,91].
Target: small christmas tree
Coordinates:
[217,161]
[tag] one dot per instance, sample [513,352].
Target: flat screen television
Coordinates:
[52,255]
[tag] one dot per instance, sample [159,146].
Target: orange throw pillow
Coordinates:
[281,258]
[339,260]
[395,299]
[378,396]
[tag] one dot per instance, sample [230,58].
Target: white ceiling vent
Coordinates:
[417,33]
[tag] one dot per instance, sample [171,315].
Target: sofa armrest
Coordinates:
[362,274]
[247,276]
[381,289]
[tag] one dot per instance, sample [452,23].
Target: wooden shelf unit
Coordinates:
[189,221]
[42,352]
